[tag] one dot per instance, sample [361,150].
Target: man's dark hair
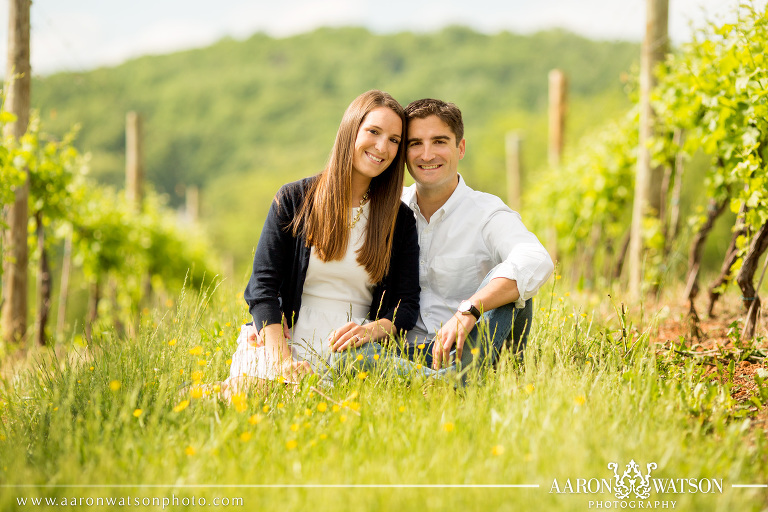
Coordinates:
[446,112]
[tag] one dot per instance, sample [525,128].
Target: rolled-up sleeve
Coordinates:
[522,257]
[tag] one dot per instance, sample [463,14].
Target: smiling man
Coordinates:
[477,260]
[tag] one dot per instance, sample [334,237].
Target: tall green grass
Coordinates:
[129,418]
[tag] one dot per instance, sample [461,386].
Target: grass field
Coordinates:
[128,419]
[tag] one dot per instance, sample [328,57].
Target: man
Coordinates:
[477,259]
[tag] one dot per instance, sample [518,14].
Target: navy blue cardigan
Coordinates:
[281,261]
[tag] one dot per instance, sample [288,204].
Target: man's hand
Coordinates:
[454,331]
[256,338]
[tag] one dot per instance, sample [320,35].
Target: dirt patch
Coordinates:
[719,341]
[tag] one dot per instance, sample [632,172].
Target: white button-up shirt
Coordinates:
[472,234]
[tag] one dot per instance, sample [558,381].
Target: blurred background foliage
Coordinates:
[240,118]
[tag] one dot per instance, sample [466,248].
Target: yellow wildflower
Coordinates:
[137,413]
[196,351]
[196,392]
[182,405]
[265,408]
[292,444]
[115,385]
[190,451]
[362,375]
[246,436]
[238,399]
[448,427]
[172,342]
[529,388]
[342,418]
[322,407]
[580,400]
[336,408]
[294,427]
[497,450]
[255,419]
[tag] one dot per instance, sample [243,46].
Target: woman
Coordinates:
[336,265]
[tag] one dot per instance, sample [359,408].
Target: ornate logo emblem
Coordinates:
[632,481]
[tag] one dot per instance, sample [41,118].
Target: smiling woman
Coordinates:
[337,255]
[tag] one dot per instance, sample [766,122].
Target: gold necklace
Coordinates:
[359,209]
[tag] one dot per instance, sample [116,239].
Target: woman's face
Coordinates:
[377,142]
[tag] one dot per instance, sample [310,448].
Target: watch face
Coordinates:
[467,308]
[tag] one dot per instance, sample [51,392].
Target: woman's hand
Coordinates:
[256,338]
[352,335]
[349,335]
[293,371]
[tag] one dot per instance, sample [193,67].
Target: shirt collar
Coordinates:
[451,204]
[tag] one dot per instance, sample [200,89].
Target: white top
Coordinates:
[334,293]
[343,280]
[472,234]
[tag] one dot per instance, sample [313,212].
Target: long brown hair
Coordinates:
[324,215]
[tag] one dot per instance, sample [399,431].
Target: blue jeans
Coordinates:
[500,327]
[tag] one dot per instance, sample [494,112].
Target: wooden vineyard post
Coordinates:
[648,180]
[15,251]
[558,94]
[192,205]
[514,170]
[134,170]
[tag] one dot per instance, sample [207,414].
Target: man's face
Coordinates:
[432,153]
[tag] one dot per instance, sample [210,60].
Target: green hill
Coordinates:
[239,118]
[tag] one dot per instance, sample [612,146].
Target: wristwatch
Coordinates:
[467,308]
